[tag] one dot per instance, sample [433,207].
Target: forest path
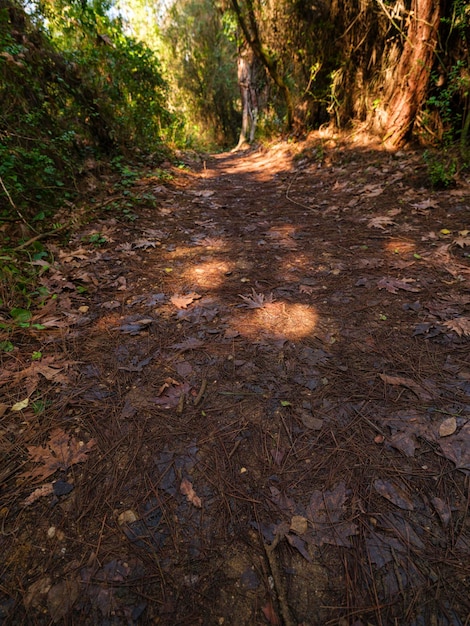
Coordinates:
[252,404]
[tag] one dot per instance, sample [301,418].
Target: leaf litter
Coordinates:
[304,439]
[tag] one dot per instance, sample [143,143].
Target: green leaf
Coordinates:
[286,403]
[6,346]
[21,315]
[36,356]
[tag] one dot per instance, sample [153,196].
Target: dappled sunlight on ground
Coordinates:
[278,320]
[262,372]
[399,246]
[208,274]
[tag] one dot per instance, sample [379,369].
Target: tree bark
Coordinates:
[248,81]
[413,71]
[251,34]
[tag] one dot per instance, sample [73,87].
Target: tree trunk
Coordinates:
[412,75]
[247,81]
[251,34]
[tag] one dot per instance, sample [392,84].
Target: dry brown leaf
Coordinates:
[443,510]
[460,325]
[271,615]
[448,427]
[393,284]
[463,242]
[257,300]
[187,490]
[298,524]
[62,597]
[394,494]
[37,591]
[425,204]
[371,191]
[182,301]
[380,222]
[325,511]
[59,453]
[46,367]
[419,390]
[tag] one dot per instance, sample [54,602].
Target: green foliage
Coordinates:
[21,290]
[73,85]
[97,239]
[200,57]
[441,168]
[447,101]
[6,346]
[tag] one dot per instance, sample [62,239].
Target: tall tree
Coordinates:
[411,78]
[247,20]
[251,82]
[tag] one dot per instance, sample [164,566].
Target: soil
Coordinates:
[248,402]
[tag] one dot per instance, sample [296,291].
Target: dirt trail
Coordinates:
[255,403]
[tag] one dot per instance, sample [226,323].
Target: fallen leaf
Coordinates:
[182,301]
[127,517]
[284,502]
[393,494]
[47,367]
[382,549]
[463,242]
[460,325]
[62,597]
[135,325]
[170,393]
[60,452]
[380,222]
[144,244]
[325,511]
[298,524]
[425,204]
[257,300]
[205,193]
[299,544]
[19,406]
[187,490]
[271,615]
[405,441]
[309,421]
[37,591]
[456,448]
[371,191]
[442,509]
[393,284]
[419,390]
[448,427]
[189,344]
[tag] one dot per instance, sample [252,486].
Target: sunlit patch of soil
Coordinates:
[209,275]
[278,319]
[398,246]
[108,321]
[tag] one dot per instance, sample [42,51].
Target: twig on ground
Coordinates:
[279,586]
[202,390]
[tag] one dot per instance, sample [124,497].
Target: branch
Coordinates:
[18,212]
